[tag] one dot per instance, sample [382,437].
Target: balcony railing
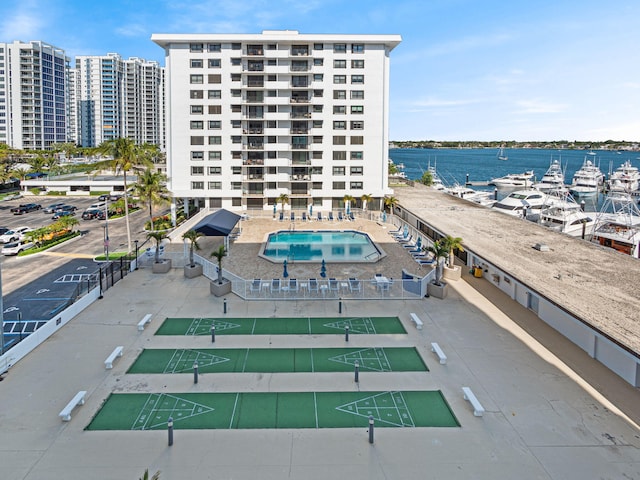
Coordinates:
[304,99]
[299,131]
[255,51]
[297,52]
[299,146]
[300,115]
[252,162]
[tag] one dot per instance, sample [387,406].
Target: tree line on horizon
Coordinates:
[557,144]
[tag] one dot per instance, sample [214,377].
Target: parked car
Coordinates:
[14,235]
[3,230]
[52,208]
[62,208]
[14,248]
[25,208]
[91,213]
[62,213]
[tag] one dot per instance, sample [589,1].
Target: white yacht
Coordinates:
[437,181]
[626,178]
[484,198]
[552,180]
[522,203]
[563,214]
[587,181]
[514,180]
[618,224]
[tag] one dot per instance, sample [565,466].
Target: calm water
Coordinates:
[453,165]
[315,246]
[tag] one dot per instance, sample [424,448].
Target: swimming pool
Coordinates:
[314,246]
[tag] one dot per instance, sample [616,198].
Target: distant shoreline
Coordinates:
[463,145]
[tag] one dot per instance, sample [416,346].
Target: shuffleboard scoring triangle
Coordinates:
[386,407]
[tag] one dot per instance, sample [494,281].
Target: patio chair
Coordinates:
[293,216]
[352,217]
[319,216]
[313,285]
[405,240]
[425,261]
[281,216]
[331,216]
[340,217]
[333,285]
[275,285]
[304,216]
[293,285]
[354,285]
[396,232]
[255,285]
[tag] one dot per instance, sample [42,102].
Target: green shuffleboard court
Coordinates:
[239,360]
[145,411]
[281,326]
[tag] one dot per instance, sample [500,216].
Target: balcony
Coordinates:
[300,115]
[253,162]
[300,99]
[299,51]
[253,131]
[299,131]
[253,177]
[300,84]
[255,146]
[255,51]
[299,146]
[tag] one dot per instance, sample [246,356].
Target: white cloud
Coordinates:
[132,30]
[24,22]
[539,106]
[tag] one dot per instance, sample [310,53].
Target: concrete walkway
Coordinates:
[542,420]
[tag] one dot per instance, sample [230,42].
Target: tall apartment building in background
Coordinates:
[250,117]
[34,95]
[119,98]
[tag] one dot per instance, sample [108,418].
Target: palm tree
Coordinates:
[193,237]
[390,202]
[67,222]
[152,190]
[155,476]
[440,252]
[283,199]
[125,157]
[37,163]
[158,237]
[366,198]
[220,253]
[347,199]
[452,243]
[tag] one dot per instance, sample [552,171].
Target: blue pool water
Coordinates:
[315,246]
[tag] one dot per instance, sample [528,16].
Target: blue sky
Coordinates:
[466,70]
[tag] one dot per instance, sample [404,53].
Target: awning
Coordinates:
[218,224]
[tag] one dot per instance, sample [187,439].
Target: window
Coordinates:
[236,123]
[318,77]
[340,48]
[337,185]
[338,171]
[357,48]
[196,94]
[339,125]
[197,185]
[318,93]
[197,140]
[214,78]
[197,155]
[236,108]
[337,64]
[196,125]
[357,94]
[236,139]
[357,109]
[318,62]
[236,62]
[271,78]
[197,170]
[215,125]
[357,63]
[359,140]
[357,125]
[318,46]
[339,79]
[215,140]
[339,94]
[215,155]
[316,139]
[356,185]
[218,170]
[214,47]
[197,109]
[356,156]
[316,155]
[212,94]
[196,47]
[196,63]
[339,140]
[214,63]
[236,92]
[215,109]
[236,185]
[236,170]
[236,46]
[215,185]
[194,79]
[338,155]
[358,79]
[317,108]
[236,77]
[339,109]
[317,124]
[355,170]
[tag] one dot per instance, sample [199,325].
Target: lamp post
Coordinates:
[106,229]
[136,242]
[1,309]
[20,324]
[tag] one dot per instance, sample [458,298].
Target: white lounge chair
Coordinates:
[293,285]
[355,285]
[313,285]
[255,285]
[275,285]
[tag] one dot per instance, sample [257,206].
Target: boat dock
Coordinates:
[478,183]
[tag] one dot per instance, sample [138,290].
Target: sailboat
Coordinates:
[502,155]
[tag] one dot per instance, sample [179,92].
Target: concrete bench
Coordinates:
[65,414]
[144,321]
[117,352]
[416,320]
[438,351]
[478,409]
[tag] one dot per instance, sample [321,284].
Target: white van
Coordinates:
[99,205]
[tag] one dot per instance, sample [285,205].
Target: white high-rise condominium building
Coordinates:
[119,98]
[254,116]
[34,99]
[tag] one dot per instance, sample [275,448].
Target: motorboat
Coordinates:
[563,214]
[484,198]
[522,203]
[587,181]
[553,179]
[514,180]
[436,181]
[626,178]
[618,224]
